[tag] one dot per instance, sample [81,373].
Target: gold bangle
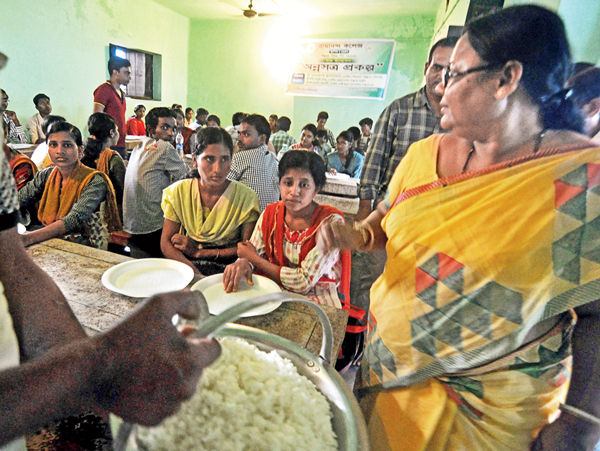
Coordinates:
[367,234]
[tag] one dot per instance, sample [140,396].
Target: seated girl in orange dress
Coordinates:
[283,245]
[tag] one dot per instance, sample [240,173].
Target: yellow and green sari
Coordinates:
[474,263]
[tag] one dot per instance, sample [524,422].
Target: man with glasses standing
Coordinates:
[405,121]
[13,129]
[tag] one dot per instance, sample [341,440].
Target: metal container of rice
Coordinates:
[347,422]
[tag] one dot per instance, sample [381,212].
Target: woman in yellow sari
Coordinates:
[207,215]
[483,326]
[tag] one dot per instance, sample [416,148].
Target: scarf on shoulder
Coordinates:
[57,200]
[103,164]
[273,231]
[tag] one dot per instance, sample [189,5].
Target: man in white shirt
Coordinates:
[153,165]
[34,123]
[201,116]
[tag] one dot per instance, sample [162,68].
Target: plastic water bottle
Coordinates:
[284,148]
[179,144]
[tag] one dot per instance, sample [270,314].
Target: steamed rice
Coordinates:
[248,400]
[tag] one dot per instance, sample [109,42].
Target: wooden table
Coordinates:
[27,151]
[77,270]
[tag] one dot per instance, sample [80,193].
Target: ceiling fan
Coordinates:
[251,13]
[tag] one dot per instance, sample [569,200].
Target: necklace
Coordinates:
[536,147]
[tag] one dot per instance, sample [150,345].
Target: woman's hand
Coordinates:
[335,235]
[186,245]
[235,272]
[246,250]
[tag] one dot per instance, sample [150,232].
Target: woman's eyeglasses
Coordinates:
[448,74]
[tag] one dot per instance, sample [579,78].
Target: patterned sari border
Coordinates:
[445,181]
[497,350]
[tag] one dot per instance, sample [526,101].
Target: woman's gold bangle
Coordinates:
[367,234]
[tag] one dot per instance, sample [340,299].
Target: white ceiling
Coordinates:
[227,9]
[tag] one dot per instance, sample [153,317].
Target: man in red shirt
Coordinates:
[110,98]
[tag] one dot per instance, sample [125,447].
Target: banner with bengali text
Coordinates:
[344,68]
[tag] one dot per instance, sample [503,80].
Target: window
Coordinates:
[145,72]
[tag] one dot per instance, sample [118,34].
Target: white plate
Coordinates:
[147,276]
[219,301]
[20,146]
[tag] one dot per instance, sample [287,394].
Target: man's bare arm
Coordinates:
[41,316]
[141,369]
[98,108]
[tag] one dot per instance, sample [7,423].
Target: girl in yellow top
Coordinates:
[207,215]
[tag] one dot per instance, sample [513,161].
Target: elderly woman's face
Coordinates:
[466,98]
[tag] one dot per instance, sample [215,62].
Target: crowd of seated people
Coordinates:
[315,139]
[204,217]
[187,232]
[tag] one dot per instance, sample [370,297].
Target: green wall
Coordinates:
[228,71]
[582,18]
[59,47]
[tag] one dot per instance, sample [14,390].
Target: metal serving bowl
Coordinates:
[348,422]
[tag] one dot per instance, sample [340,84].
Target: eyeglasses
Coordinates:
[448,74]
[5,99]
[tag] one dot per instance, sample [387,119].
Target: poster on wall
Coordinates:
[342,68]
